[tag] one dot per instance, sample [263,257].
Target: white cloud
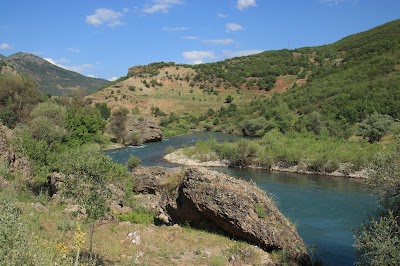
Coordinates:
[230,54]
[233,27]
[161,6]
[105,16]
[78,68]
[63,60]
[197,57]
[222,15]
[5,46]
[175,28]
[74,50]
[190,37]
[243,4]
[331,2]
[50,60]
[220,42]
[112,78]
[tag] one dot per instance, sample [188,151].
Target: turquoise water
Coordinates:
[324,208]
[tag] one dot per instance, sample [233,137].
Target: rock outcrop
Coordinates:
[149,180]
[8,157]
[141,129]
[214,201]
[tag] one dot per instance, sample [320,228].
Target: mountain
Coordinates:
[52,79]
[2,57]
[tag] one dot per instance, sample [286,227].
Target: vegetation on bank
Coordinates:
[43,224]
[378,241]
[287,150]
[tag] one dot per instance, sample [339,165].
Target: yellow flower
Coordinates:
[62,248]
[79,238]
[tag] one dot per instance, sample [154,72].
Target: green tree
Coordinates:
[228,99]
[118,123]
[84,125]
[18,96]
[374,126]
[48,122]
[378,242]
[104,110]
[88,173]
[134,162]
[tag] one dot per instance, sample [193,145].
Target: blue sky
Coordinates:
[103,38]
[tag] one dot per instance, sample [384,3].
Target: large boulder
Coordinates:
[149,180]
[140,129]
[214,201]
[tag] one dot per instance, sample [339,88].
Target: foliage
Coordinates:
[228,99]
[117,123]
[14,239]
[378,243]
[138,216]
[385,178]
[104,110]
[374,126]
[18,96]
[303,150]
[89,171]
[260,210]
[84,125]
[134,162]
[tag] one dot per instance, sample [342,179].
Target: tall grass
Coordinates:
[318,155]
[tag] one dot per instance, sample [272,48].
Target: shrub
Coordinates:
[134,162]
[260,210]
[14,239]
[139,216]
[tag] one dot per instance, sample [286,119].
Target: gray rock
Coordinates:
[141,129]
[214,201]
[149,179]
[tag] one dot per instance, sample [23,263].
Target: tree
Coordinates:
[48,122]
[374,126]
[228,99]
[104,110]
[117,123]
[84,125]
[88,173]
[18,96]
[378,243]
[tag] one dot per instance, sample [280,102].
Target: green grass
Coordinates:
[316,155]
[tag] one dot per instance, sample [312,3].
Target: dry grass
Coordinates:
[174,96]
[159,245]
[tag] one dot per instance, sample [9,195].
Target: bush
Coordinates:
[134,162]
[378,243]
[14,249]
[140,216]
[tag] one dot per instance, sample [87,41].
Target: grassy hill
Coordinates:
[324,89]
[52,79]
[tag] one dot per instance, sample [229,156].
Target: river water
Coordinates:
[324,208]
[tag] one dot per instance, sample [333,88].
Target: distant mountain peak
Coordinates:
[52,79]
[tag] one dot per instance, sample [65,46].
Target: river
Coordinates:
[324,208]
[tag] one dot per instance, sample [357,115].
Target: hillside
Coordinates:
[324,89]
[52,79]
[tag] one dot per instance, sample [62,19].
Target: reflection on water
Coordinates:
[324,208]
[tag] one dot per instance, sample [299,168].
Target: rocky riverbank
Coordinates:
[216,202]
[344,170]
